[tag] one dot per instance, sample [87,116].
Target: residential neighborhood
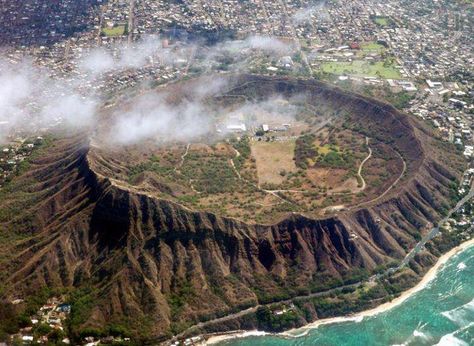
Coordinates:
[421,51]
[119,182]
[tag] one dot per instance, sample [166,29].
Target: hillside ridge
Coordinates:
[157,261]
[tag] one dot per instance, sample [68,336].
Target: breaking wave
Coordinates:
[451,340]
[461,315]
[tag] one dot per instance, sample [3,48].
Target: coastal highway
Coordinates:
[434,231]
[253,309]
[419,246]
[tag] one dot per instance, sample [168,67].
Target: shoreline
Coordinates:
[427,278]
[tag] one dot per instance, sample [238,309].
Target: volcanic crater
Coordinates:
[174,233]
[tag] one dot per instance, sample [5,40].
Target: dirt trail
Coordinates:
[276,192]
[257,186]
[389,188]
[237,154]
[182,158]
[359,172]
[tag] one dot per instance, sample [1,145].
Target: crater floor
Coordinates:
[263,156]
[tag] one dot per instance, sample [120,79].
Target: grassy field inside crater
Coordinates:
[263,158]
[263,178]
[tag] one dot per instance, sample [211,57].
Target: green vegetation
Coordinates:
[153,165]
[372,47]
[11,320]
[210,174]
[265,298]
[382,20]
[82,302]
[328,155]
[183,292]
[268,320]
[327,148]
[189,199]
[305,150]
[329,307]
[243,147]
[362,68]
[337,159]
[399,100]
[116,30]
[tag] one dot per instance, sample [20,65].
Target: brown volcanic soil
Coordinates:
[161,267]
[277,177]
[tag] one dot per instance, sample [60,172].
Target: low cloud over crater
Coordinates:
[31,99]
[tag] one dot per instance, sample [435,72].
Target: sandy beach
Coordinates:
[222,337]
[429,276]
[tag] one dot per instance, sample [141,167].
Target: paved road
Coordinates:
[294,35]
[255,308]
[435,230]
[405,261]
[131,17]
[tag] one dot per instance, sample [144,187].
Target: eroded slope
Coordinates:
[160,267]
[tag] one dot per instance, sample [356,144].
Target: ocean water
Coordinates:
[440,314]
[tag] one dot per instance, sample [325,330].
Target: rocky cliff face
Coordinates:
[156,261]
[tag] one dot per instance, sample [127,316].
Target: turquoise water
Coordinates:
[440,314]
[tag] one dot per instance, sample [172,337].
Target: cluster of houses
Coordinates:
[463,220]
[428,38]
[37,22]
[450,115]
[244,17]
[466,181]
[195,340]
[284,309]
[52,315]
[13,154]
[462,223]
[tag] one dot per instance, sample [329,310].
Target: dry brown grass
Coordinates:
[327,177]
[273,157]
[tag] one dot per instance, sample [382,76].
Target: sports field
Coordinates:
[118,30]
[381,21]
[371,47]
[361,68]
